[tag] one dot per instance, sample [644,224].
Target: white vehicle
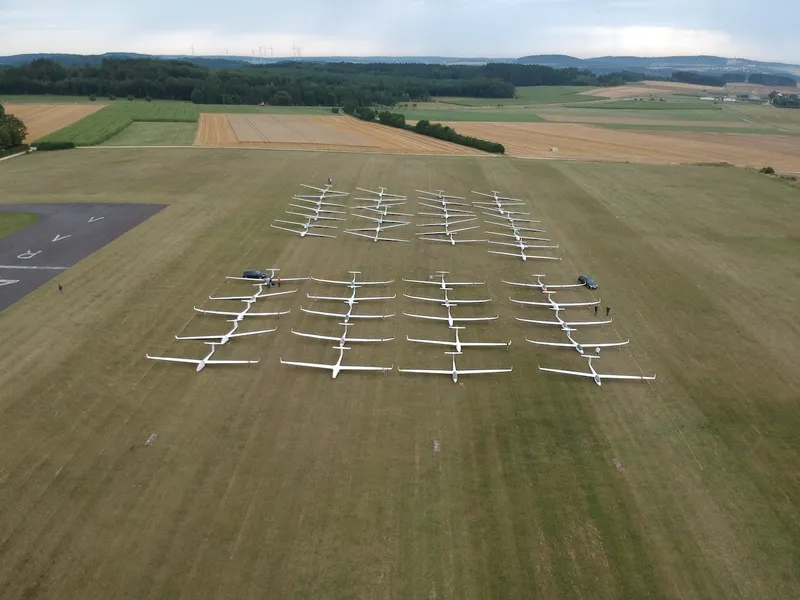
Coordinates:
[343,339]
[498,200]
[305,230]
[446,301]
[521,254]
[351,300]
[564,325]
[552,304]
[337,367]
[352,283]
[444,285]
[541,285]
[242,314]
[515,228]
[316,203]
[454,372]
[598,377]
[203,361]
[225,338]
[257,296]
[376,236]
[263,275]
[458,344]
[451,320]
[323,192]
[578,346]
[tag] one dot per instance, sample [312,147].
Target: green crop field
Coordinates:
[142,133]
[269,481]
[622,114]
[11,222]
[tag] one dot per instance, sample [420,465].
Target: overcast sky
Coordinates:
[495,28]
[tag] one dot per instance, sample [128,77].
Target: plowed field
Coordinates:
[41,119]
[584,141]
[317,133]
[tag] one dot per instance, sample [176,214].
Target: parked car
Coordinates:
[588,282]
[255,274]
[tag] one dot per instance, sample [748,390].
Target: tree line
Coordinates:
[767,79]
[12,132]
[785,100]
[290,83]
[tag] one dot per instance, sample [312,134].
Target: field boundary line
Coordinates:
[398,153]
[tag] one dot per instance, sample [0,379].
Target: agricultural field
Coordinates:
[141,133]
[269,480]
[316,132]
[576,141]
[42,119]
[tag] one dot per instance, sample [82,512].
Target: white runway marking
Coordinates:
[32,267]
[61,237]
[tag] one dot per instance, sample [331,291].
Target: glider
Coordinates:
[203,361]
[337,367]
[458,344]
[598,377]
[454,372]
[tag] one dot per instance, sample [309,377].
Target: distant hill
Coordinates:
[662,66]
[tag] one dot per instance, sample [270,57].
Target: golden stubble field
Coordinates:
[316,133]
[41,119]
[271,481]
[655,88]
[594,143]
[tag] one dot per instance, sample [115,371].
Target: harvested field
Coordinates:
[645,88]
[316,133]
[761,90]
[611,117]
[42,119]
[587,142]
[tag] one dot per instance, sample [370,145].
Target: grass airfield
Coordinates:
[271,481]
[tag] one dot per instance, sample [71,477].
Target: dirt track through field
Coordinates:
[316,132]
[587,142]
[41,119]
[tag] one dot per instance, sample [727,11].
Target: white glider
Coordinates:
[576,345]
[440,195]
[564,325]
[458,344]
[598,377]
[346,316]
[451,320]
[443,285]
[543,286]
[272,275]
[351,300]
[352,282]
[201,363]
[242,314]
[257,296]
[337,367]
[225,338]
[446,301]
[306,228]
[515,228]
[552,304]
[343,339]
[375,237]
[497,199]
[454,372]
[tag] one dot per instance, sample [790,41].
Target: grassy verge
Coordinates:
[13,221]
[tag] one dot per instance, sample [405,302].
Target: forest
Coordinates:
[294,83]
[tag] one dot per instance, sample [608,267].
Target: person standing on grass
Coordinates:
[330,180]
[60,289]
[595,310]
[608,310]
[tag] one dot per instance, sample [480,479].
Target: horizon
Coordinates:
[497,29]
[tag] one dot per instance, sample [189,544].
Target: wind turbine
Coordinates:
[192,49]
[226,53]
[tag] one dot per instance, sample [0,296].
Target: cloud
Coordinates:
[497,28]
